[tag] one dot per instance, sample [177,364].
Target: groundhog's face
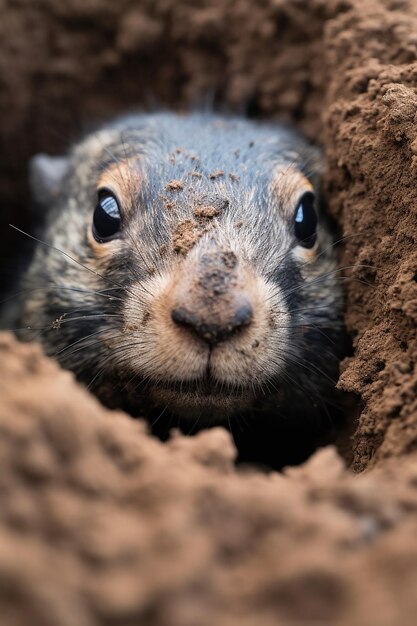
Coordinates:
[205,281]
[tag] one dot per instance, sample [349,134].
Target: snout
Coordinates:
[213,323]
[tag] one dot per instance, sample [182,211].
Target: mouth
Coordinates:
[204,397]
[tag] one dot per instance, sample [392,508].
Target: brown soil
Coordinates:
[206,211]
[185,236]
[100,524]
[175,185]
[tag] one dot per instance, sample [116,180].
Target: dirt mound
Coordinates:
[100,524]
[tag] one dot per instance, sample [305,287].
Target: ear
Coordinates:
[46,174]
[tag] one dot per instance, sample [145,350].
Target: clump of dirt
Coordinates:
[187,232]
[210,205]
[175,185]
[185,235]
[206,211]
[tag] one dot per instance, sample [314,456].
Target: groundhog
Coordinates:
[187,274]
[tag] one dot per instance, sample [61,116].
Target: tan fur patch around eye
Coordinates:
[123,179]
[102,250]
[288,185]
[306,255]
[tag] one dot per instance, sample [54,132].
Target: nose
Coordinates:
[218,328]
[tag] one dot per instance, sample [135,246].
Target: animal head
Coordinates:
[187,263]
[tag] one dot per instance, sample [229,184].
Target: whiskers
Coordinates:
[68,256]
[87,334]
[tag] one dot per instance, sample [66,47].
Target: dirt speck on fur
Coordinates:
[168,204]
[174,185]
[216,174]
[57,323]
[206,211]
[185,236]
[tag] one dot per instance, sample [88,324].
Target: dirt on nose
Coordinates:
[212,289]
[218,275]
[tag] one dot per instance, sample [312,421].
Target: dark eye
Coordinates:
[305,221]
[106,219]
